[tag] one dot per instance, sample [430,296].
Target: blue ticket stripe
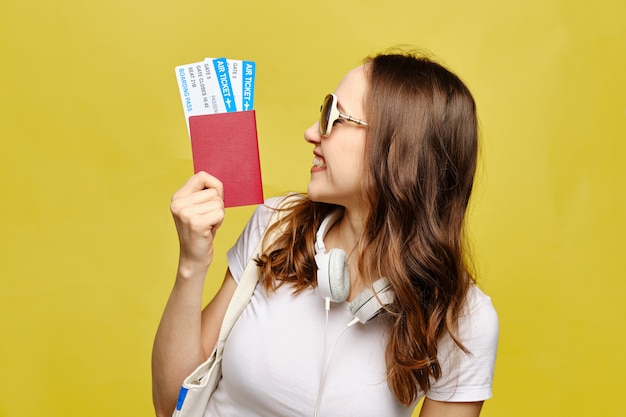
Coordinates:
[181,398]
[226,88]
[249,73]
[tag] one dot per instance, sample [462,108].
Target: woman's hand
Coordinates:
[198,211]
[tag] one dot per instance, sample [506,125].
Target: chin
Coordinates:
[311,192]
[315,196]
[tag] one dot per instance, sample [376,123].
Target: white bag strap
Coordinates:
[240,298]
[247,283]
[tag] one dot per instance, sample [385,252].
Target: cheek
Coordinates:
[352,163]
[357,157]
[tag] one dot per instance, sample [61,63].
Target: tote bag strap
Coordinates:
[240,298]
[247,283]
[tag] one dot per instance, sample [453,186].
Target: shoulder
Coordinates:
[478,326]
[239,255]
[468,376]
[272,205]
[262,215]
[480,316]
[480,303]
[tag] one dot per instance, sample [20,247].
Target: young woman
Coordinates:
[380,229]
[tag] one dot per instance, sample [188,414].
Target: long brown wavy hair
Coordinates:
[422,145]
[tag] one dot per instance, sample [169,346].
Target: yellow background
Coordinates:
[94,143]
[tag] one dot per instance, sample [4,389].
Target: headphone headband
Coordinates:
[333,279]
[323,229]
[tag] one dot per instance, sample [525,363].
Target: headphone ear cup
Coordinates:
[369,303]
[333,280]
[338,275]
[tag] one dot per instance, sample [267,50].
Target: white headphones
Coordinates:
[333,278]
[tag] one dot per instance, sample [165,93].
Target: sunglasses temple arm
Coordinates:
[352,119]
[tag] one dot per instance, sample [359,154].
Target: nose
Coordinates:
[312,134]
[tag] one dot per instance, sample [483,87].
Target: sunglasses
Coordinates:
[329,114]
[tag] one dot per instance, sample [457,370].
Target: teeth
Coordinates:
[318,162]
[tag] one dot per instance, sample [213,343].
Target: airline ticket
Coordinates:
[216,85]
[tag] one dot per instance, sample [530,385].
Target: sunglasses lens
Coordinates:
[325,115]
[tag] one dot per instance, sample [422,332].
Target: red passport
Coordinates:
[226,146]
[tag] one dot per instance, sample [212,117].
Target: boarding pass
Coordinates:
[216,85]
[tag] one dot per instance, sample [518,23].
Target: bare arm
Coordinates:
[432,408]
[186,334]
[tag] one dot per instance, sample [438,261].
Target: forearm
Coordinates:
[198,211]
[177,346]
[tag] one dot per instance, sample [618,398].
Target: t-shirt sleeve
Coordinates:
[469,376]
[239,255]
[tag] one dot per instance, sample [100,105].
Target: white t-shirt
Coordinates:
[273,359]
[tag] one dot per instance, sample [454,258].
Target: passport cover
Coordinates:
[226,146]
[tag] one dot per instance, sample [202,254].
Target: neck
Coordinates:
[345,232]
[345,235]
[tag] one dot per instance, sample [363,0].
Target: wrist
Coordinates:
[192,270]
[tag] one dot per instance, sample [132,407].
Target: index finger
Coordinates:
[198,182]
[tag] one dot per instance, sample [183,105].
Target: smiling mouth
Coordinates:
[319,162]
